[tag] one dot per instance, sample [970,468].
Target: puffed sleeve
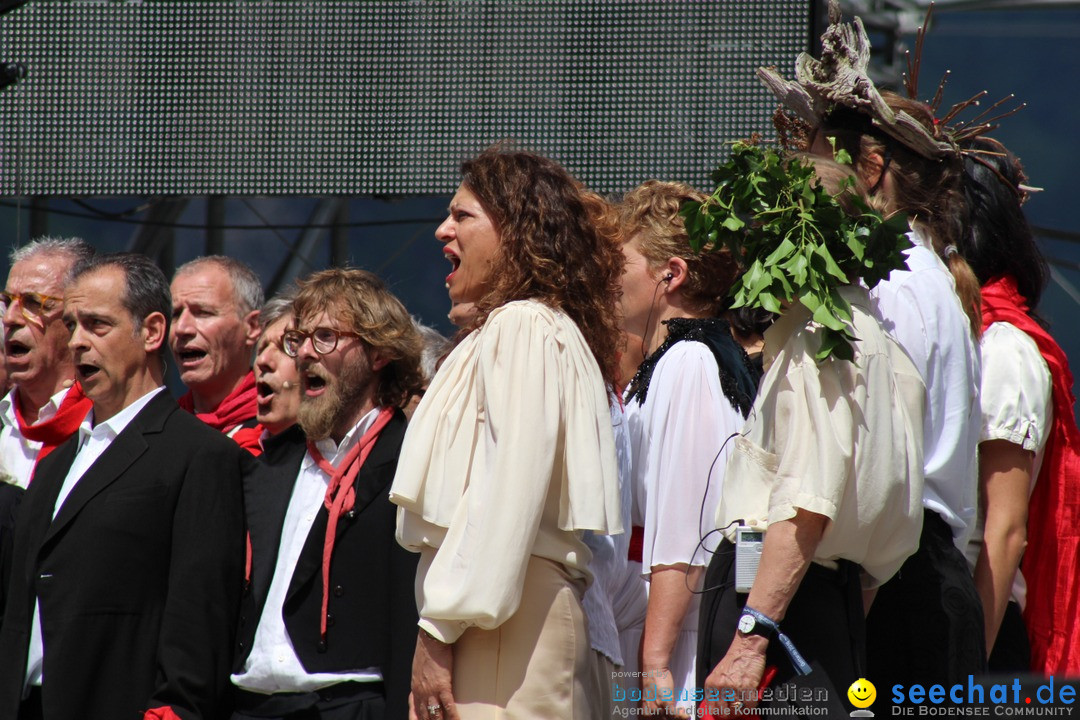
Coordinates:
[1015,392]
[690,423]
[547,445]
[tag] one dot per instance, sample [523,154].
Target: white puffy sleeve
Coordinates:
[1015,390]
[542,454]
[689,424]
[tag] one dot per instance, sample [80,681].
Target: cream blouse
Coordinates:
[840,439]
[509,454]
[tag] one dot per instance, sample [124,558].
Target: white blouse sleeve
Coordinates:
[1015,393]
[533,401]
[690,423]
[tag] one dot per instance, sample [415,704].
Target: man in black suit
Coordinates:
[128,548]
[328,624]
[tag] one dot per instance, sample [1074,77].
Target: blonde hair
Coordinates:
[649,216]
[364,304]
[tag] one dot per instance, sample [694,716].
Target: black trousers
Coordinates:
[344,701]
[1012,649]
[824,620]
[926,623]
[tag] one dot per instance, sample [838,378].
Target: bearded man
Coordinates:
[328,623]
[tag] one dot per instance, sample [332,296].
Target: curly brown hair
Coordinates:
[930,191]
[649,215]
[367,308]
[555,245]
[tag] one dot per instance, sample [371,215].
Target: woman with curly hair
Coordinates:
[690,394]
[510,455]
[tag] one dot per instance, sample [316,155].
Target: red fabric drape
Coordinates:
[341,494]
[1050,563]
[238,407]
[59,427]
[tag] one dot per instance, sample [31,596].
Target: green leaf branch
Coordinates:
[794,239]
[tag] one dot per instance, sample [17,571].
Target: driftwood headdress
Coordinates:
[839,80]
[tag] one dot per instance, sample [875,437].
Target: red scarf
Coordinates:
[50,433]
[341,495]
[1051,563]
[248,438]
[238,406]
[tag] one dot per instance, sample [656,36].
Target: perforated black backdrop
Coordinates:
[377,97]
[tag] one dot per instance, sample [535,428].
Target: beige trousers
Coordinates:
[535,665]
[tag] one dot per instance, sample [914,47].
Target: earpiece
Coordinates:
[669,277]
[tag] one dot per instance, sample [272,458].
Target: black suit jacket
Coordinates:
[372,607]
[139,576]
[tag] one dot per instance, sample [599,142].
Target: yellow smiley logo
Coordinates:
[862,693]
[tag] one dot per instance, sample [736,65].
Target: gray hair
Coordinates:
[146,290]
[247,288]
[435,346]
[276,308]
[74,248]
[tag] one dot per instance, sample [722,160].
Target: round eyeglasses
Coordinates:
[32,303]
[323,339]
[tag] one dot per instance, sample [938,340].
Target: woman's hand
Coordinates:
[432,676]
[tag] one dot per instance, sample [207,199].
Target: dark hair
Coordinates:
[551,245]
[363,303]
[146,290]
[997,239]
[930,191]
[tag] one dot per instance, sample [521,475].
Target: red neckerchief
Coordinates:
[341,495]
[59,427]
[238,406]
[1050,563]
[248,438]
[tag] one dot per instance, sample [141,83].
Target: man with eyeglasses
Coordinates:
[128,547]
[45,405]
[328,620]
[215,324]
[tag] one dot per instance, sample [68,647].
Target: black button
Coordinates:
[330,620]
[321,647]
[339,591]
[351,514]
[241,644]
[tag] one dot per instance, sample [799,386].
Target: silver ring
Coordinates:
[434,710]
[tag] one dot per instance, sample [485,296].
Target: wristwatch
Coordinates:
[753,622]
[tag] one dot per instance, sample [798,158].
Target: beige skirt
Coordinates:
[537,663]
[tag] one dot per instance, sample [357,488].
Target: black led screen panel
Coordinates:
[377,97]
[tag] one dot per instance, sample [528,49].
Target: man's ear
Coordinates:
[153,332]
[377,361]
[252,331]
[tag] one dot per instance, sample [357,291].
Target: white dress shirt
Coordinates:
[17,454]
[919,308]
[93,441]
[273,665]
[609,564]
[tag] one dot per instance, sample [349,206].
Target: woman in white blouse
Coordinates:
[1021,438]
[510,454]
[690,395]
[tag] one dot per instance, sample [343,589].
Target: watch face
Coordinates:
[746,624]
